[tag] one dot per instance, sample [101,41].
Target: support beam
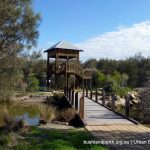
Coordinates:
[47,72]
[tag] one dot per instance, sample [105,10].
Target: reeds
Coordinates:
[47,113]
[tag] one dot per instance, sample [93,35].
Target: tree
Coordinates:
[33,83]
[18,33]
[90,63]
[98,79]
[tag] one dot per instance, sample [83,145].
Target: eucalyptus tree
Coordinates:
[18,33]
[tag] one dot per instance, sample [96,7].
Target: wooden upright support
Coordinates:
[69,95]
[113,101]
[76,100]
[91,94]
[81,110]
[65,91]
[103,97]
[96,96]
[86,92]
[127,106]
[83,91]
[72,100]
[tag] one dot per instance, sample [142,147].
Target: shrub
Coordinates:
[47,113]
[66,115]
[10,123]
[33,83]
[4,140]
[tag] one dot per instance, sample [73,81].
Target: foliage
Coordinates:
[18,28]
[116,82]
[136,68]
[66,115]
[33,83]
[10,123]
[37,139]
[47,113]
[98,79]
[90,63]
[4,140]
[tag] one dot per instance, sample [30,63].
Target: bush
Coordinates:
[66,115]
[10,123]
[33,83]
[47,113]
[4,140]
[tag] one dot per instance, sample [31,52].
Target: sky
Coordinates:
[115,29]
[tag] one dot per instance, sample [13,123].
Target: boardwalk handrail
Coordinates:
[90,93]
[75,101]
[72,67]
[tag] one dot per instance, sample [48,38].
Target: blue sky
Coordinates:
[87,24]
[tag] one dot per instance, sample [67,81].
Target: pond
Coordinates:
[29,112]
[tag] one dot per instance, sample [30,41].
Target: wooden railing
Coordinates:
[72,67]
[99,96]
[75,101]
[78,103]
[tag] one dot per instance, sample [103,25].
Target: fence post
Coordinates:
[67,92]
[103,97]
[127,106]
[69,95]
[76,100]
[91,94]
[86,92]
[83,91]
[72,101]
[96,94]
[81,110]
[113,101]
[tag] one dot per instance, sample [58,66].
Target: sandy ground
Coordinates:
[34,98]
[56,126]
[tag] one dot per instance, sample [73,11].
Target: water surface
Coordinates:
[29,112]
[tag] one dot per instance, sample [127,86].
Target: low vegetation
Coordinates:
[10,122]
[47,113]
[38,139]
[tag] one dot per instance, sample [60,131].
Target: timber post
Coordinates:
[86,92]
[96,96]
[103,97]
[81,109]
[76,100]
[72,100]
[113,101]
[127,106]
[91,94]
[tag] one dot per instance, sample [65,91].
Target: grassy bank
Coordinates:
[49,139]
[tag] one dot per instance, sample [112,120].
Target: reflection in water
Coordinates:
[29,112]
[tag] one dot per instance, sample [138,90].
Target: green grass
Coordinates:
[43,139]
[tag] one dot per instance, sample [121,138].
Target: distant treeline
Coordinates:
[137,68]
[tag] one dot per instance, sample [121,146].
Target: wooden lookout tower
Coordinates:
[66,62]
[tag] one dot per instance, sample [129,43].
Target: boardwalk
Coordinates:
[106,125]
[95,114]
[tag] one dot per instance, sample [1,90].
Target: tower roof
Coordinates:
[64,45]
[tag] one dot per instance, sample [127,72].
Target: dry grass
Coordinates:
[66,115]
[47,113]
[10,123]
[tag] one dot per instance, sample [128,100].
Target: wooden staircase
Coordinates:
[77,69]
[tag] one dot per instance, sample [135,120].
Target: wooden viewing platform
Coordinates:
[107,125]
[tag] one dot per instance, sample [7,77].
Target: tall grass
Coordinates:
[10,122]
[47,113]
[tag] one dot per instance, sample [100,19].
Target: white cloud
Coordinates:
[119,44]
